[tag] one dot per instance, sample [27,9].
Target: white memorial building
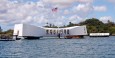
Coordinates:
[31,31]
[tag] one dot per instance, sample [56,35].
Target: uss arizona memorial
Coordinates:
[30,31]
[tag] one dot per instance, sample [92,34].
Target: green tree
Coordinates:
[112,30]
[71,24]
[94,25]
[92,22]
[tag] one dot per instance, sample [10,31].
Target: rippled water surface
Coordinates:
[94,47]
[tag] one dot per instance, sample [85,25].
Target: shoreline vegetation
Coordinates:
[94,25]
[6,34]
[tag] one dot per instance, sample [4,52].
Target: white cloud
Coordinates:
[100,8]
[84,7]
[75,19]
[105,19]
[65,3]
[83,10]
[59,3]
[28,13]
[22,12]
[39,13]
[85,1]
[12,12]
[66,12]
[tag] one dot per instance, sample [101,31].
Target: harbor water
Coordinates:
[89,47]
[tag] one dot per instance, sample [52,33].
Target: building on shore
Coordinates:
[30,31]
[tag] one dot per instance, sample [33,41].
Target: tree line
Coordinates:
[6,34]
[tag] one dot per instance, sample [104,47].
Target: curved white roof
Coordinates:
[63,28]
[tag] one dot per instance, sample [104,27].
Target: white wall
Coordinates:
[30,30]
[18,29]
[81,30]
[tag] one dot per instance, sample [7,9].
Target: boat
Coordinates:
[7,39]
[99,34]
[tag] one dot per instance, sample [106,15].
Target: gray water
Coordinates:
[94,47]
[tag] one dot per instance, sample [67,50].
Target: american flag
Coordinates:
[54,9]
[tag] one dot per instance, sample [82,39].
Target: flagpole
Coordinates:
[58,22]
[54,10]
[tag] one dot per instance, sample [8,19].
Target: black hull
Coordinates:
[7,40]
[74,37]
[99,36]
[18,38]
[31,38]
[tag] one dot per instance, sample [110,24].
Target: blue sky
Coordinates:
[39,12]
[110,8]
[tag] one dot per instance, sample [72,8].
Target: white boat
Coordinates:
[99,34]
